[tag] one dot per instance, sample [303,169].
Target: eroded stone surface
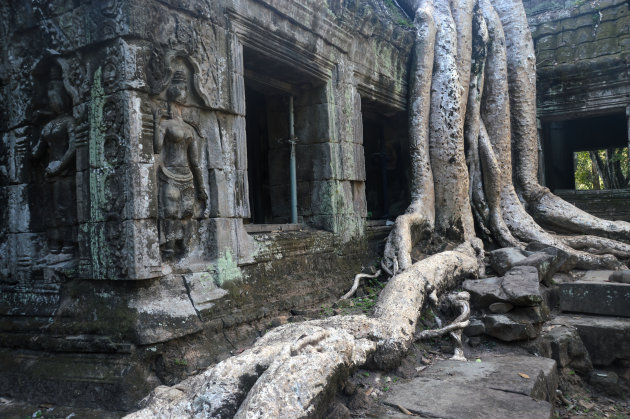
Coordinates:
[594,294]
[492,388]
[606,338]
[519,287]
[503,327]
[563,344]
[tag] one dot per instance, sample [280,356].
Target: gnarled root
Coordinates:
[461,301]
[598,245]
[420,216]
[289,370]
[562,216]
[497,105]
[397,254]
[357,281]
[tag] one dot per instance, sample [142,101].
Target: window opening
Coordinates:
[281,104]
[587,153]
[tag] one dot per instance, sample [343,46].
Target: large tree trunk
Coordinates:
[471,114]
[546,208]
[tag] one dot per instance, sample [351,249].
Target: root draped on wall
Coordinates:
[473,146]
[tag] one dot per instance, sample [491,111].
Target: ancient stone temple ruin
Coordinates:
[145,179]
[177,176]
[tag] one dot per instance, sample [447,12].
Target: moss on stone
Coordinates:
[225,270]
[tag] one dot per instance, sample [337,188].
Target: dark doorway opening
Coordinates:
[385,142]
[567,143]
[257,156]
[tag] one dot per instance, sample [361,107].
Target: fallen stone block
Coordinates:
[606,339]
[564,345]
[543,263]
[475,328]
[521,286]
[502,327]
[563,260]
[502,260]
[536,314]
[622,277]
[484,292]
[492,388]
[606,381]
[546,259]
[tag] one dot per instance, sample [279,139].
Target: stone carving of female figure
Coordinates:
[57,142]
[179,174]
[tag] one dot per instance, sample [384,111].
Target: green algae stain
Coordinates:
[226,270]
[101,258]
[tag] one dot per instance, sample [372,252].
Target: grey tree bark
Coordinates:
[472,113]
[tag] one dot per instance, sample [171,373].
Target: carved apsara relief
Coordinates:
[176,144]
[55,148]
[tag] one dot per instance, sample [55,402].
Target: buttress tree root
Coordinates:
[472,110]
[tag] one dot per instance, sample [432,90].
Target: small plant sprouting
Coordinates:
[181,362]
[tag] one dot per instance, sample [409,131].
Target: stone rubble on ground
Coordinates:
[510,307]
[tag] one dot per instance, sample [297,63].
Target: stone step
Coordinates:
[595,294]
[491,389]
[607,339]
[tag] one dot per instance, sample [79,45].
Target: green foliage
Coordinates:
[356,305]
[404,22]
[400,18]
[327,311]
[584,167]
[181,362]
[583,171]
[372,289]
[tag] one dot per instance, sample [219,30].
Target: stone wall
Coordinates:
[123,162]
[582,51]
[609,204]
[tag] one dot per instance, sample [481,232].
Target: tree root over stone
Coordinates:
[471,111]
[289,371]
[460,300]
